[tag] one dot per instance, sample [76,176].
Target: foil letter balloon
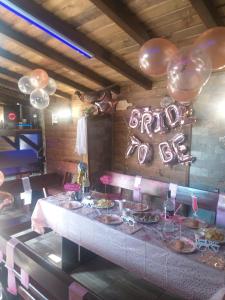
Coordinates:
[144,153]
[133,144]
[147,122]
[172,115]
[181,149]
[134,118]
[166,153]
[160,126]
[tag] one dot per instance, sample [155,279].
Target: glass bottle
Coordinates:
[169,206]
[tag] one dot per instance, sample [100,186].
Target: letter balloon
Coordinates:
[159,123]
[145,153]
[166,153]
[147,120]
[135,118]
[133,144]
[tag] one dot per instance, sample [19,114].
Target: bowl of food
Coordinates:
[194,223]
[146,217]
[136,206]
[103,203]
[213,234]
[182,245]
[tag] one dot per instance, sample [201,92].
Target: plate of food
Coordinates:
[110,219]
[213,234]
[136,206]
[146,217]
[103,203]
[72,205]
[182,245]
[194,223]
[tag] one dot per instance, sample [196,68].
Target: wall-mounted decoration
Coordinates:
[39,86]
[151,121]
[102,100]
[160,120]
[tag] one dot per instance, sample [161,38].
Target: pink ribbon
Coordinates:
[24,279]
[137,189]
[73,187]
[76,291]
[10,265]
[106,179]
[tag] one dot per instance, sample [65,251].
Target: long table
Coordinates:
[141,252]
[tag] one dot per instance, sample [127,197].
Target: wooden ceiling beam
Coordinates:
[30,65]
[17,76]
[124,18]
[207,12]
[65,29]
[50,53]
[6,99]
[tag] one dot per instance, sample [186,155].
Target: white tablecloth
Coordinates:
[140,252]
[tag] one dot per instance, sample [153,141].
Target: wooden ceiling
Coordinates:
[112,31]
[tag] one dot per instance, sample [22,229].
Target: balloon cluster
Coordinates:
[175,150]
[39,86]
[160,120]
[187,69]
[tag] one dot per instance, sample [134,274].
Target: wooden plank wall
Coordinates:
[156,170]
[60,138]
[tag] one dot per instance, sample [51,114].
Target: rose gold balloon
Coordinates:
[2,178]
[188,70]
[41,77]
[212,42]
[183,96]
[155,55]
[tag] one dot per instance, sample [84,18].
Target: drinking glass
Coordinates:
[195,205]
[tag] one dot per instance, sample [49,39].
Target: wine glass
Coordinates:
[195,205]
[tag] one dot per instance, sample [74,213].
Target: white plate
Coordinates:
[72,205]
[109,219]
[191,247]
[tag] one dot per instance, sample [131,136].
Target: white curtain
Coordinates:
[81,141]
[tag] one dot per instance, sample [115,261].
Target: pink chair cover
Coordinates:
[137,189]
[10,265]
[76,291]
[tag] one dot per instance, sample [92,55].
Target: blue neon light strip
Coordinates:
[27,17]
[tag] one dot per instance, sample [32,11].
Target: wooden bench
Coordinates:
[45,279]
[212,201]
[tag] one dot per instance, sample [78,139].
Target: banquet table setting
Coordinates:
[183,255]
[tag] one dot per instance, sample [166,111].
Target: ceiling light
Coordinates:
[44,27]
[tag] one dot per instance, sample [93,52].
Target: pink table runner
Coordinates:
[141,252]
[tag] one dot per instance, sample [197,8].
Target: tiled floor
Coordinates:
[103,278]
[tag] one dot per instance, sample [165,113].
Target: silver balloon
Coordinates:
[135,118]
[39,99]
[166,153]
[160,126]
[133,144]
[145,153]
[147,120]
[27,84]
[173,116]
[181,149]
[51,87]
